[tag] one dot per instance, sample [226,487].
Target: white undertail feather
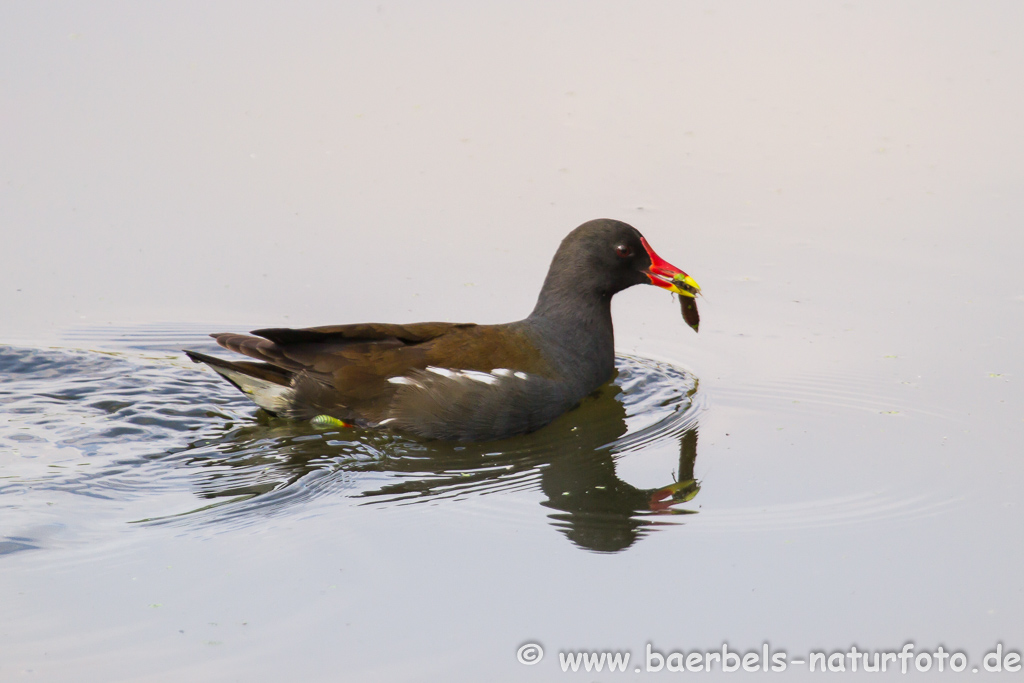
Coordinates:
[267,395]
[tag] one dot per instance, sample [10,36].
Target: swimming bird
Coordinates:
[461,381]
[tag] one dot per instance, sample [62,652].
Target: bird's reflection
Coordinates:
[572,461]
[599,511]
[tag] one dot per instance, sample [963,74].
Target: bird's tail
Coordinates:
[268,386]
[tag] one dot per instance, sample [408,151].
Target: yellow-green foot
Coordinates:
[326,422]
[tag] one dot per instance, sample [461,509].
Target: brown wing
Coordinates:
[364,332]
[344,370]
[301,349]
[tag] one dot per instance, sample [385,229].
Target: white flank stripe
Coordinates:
[405,380]
[478,376]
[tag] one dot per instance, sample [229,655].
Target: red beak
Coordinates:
[663,274]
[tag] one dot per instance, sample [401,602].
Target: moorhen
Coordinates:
[461,382]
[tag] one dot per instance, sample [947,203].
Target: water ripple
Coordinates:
[131,423]
[132,426]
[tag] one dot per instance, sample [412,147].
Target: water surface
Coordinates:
[833,460]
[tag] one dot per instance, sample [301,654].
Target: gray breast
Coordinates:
[469,405]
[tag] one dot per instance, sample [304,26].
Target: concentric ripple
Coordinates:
[138,426]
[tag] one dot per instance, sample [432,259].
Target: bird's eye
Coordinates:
[624,251]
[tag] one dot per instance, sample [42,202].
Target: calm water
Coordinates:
[834,460]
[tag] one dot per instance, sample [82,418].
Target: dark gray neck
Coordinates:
[577,325]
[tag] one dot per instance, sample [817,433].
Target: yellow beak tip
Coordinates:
[686,286]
